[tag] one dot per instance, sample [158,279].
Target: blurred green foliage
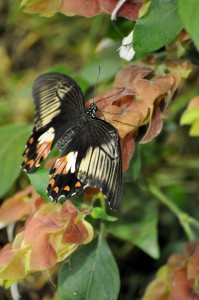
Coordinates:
[149,225]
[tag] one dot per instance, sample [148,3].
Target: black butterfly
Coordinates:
[91,154]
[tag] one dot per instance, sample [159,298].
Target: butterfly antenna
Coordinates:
[123,123]
[111,95]
[101,112]
[97,81]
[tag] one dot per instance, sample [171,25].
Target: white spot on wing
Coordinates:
[47,136]
[71,158]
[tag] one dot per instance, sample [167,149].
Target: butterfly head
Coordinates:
[92,109]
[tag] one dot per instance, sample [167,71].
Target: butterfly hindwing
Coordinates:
[91,158]
[99,164]
[63,181]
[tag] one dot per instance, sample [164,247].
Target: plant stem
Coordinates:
[184,219]
[193,222]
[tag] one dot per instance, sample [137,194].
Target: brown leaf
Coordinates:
[128,148]
[178,279]
[155,126]
[84,8]
[89,192]
[140,96]
[20,206]
[194,103]
[127,76]
[149,91]
[182,288]
[75,233]
[192,250]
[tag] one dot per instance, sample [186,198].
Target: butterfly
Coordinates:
[90,147]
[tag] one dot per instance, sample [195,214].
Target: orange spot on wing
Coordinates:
[67,188]
[31,140]
[52,182]
[25,159]
[56,189]
[27,150]
[78,184]
[37,164]
[31,163]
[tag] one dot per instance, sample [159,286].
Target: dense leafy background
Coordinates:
[162,181]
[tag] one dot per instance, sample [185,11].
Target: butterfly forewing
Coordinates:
[91,154]
[55,95]
[58,104]
[38,147]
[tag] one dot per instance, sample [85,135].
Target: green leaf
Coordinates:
[189,116]
[136,162]
[109,62]
[99,213]
[91,273]
[108,66]
[194,131]
[158,27]
[143,233]
[189,14]
[39,180]
[12,144]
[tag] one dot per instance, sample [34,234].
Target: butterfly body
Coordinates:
[91,154]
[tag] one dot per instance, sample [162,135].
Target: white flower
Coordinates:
[126,51]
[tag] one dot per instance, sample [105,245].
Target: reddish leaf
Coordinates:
[52,234]
[178,282]
[155,126]
[68,209]
[15,269]
[39,226]
[149,91]
[22,205]
[182,287]
[84,8]
[127,76]
[43,255]
[192,249]
[137,99]
[89,192]
[75,233]
[6,254]
[194,103]
[18,206]
[128,148]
